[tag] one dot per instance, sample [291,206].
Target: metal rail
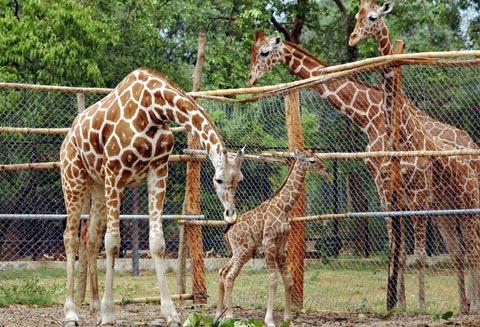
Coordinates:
[85,217]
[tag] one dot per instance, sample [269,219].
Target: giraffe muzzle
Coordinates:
[230,216]
[353,40]
[251,81]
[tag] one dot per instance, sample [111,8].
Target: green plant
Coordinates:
[29,292]
[444,316]
[198,320]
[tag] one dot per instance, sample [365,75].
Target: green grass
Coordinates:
[339,286]
[29,292]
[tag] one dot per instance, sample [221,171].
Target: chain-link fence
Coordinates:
[346,256]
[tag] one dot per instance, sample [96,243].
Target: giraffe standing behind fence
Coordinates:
[455,179]
[268,225]
[118,142]
[370,23]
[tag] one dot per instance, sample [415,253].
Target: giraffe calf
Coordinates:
[267,225]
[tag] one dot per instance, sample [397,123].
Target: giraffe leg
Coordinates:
[157,183]
[238,260]
[221,290]
[420,225]
[287,281]
[74,183]
[401,270]
[113,195]
[455,249]
[469,226]
[270,258]
[95,229]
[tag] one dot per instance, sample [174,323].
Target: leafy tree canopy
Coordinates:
[97,42]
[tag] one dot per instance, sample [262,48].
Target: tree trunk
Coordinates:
[296,239]
[192,197]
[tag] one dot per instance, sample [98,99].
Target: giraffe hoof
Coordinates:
[71,323]
[173,324]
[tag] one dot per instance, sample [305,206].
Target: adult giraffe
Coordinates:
[117,142]
[362,104]
[370,23]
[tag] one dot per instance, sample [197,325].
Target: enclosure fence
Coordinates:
[417,166]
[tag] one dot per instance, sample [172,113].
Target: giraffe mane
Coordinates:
[307,53]
[325,64]
[284,182]
[180,91]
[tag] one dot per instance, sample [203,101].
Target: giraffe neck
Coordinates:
[164,101]
[347,95]
[385,48]
[288,194]
[384,43]
[199,124]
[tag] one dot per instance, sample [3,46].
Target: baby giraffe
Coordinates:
[268,225]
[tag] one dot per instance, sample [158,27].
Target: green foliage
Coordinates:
[51,42]
[198,320]
[29,292]
[98,42]
[444,316]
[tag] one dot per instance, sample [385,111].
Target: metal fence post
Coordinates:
[135,235]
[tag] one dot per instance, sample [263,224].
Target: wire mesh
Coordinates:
[345,260]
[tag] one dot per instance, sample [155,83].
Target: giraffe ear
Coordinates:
[385,9]
[239,157]
[259,35]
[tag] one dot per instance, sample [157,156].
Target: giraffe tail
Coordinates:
[82,263]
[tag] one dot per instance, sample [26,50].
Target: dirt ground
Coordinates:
[149,315]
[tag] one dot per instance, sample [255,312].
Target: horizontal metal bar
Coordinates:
[85,217]
[50,131]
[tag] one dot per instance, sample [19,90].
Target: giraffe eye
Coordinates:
[372,18]
[264,53]
[219,181]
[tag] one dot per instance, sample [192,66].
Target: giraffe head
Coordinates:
[226,179]
[266,52]
[369,20]
[309,162]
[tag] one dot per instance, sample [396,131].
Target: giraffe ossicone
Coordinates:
[118,142]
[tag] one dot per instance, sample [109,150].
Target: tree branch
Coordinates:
[297,29]
[341,7]
[16,11]
[279,27]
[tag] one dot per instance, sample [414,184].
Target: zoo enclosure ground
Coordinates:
[149,315]
[335,297]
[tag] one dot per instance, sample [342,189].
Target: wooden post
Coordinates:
[296,239]
[81,102]
[395,196]
[192,197]
[82,247]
